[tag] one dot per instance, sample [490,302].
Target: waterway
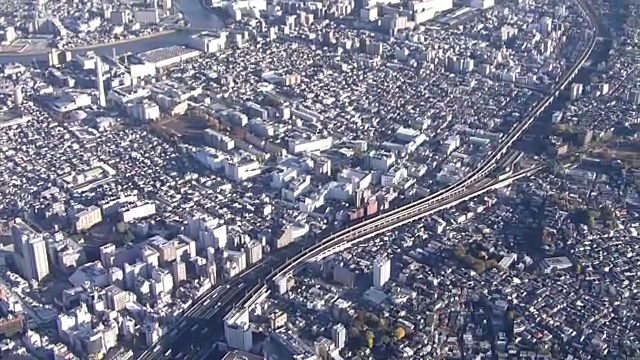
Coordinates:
[198,15]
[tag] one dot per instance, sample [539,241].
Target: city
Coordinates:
[390,179]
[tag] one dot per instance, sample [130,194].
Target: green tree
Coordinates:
[372,320]
[478,266]
[491,264]
[370,339]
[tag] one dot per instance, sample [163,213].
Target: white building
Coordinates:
[379,160]
[246,7]
[339,335]
[237,331]
[235,262]
[30,251]
[481,4]
[241,169]
[138,211]
[145,110]
[381,271]
[298,146]
[209,42]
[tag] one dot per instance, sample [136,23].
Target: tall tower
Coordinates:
[17,95]
[339,335]
[30,251]
[381,271]
[102,98]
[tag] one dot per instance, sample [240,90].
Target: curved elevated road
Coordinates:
[206,314]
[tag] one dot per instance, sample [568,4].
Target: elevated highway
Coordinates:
[199,342]
[474,184]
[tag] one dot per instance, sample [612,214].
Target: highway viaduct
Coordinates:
[473,184]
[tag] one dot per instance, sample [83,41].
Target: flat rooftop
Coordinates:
[157,55]
[241,355]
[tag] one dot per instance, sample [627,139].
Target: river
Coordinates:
[193,10]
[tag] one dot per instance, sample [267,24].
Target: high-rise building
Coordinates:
[381,271]
[17,95]
[339,335]
[30,251]
[107,252]
[576,91]
[179,272]
[102,97]
[254,252]
[54,59]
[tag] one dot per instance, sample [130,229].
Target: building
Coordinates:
[218,140]
[53,58]
[17,95]
[299,146]
[254,252]
[138,211]
[179,272]
[167,56]
[30,251]
[576,91]
[166,249]
[145,110]
[285,345]
[555,263]
[241,355]
[116,298]
[102,96]
[339,335]
[277,320]
[87,218]
[237,331]
[381,271]
[209,42]
[12,326]
[146,16]
[9,35]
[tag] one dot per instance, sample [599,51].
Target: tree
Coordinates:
[385,340]
[370,339]
[354,333]
[459,251]
[491,264]
[382,324]
[399,333]
[511,315]
[478,266]
[372,320]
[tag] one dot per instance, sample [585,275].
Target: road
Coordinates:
[197,337]
[196,344]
